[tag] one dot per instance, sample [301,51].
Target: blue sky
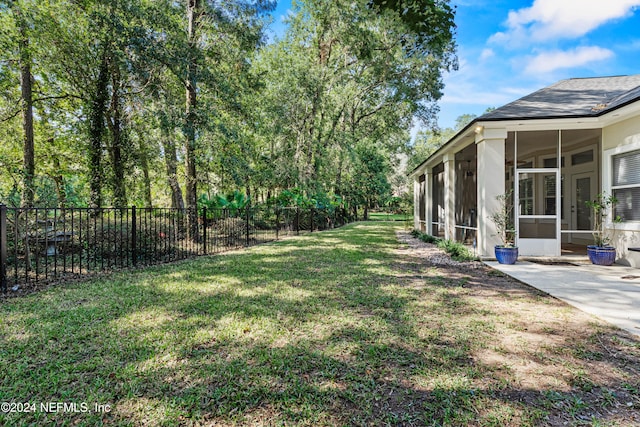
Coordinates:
[507,49]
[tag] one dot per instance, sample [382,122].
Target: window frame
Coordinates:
[607,183]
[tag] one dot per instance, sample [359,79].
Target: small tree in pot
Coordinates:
[507,252]
[601,252]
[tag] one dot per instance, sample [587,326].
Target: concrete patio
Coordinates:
[610,293]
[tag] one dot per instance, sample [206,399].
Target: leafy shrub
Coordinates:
[458,251]
[235,228]
[234,203]
[328,202]
[425,237]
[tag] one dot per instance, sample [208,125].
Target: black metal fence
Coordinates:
[40,245]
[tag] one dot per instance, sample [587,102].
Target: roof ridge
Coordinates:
[600,77]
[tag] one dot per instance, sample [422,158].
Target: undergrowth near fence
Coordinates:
[42,245]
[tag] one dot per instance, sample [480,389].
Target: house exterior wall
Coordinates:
[449,196]
[428,190]
[616,139]
[416,203]
[491,154]
[436,202]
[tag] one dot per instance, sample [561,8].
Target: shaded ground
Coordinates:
[347,327]
[543,345]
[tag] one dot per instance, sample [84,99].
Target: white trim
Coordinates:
[622,187]
[537,170]
[464,227]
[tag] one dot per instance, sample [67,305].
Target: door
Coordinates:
[583,189]
[537,217]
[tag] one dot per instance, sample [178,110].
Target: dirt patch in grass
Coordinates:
[576,368]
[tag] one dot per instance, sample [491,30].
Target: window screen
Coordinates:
[626,185]
[628,205]
[626,168]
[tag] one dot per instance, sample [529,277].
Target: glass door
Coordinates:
[583,188]
[537,213]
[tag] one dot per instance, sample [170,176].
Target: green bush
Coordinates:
[425,237]
[458,251]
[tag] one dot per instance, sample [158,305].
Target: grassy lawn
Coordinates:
[384,216]
[332,328]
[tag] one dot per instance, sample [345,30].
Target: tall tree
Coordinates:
[194,14]
[350,72]
[26,90]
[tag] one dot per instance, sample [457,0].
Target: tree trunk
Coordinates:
[28,190]
[171,163]
[98,108]
[117,136]
[59,180]
[146,180]
[26,89]
[193,11]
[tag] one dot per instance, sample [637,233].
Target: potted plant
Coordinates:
[601,252]
[507,252]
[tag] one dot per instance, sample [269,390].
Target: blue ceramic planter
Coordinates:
[601,255]
[506,255]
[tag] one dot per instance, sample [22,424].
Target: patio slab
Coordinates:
[610,293]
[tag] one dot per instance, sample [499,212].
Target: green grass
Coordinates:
[327,328]
[384,216]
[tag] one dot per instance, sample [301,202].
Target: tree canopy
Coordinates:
[118,102]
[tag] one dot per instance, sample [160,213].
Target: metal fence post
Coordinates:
[297,220]
[134,254]
[312,212]
[3,248]
[248,213]
[204,230]
[277,221]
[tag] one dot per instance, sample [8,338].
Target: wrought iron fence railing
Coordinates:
[39,245]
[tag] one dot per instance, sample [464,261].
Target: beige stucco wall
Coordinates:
[625,235]
[491,149]
[623,133]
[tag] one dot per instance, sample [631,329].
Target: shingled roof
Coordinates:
[582,97]
[571,98]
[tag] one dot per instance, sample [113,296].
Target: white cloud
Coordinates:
[553,60]
[486,54]
[553,19]
[475,86]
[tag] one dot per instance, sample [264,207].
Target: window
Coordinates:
[552,162]
[525,191]
[550,194]
[582,158]
[626,185]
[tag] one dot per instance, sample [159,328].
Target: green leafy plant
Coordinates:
[600,207]
[233,202]
[425,237]
[457,250]
[503,219]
